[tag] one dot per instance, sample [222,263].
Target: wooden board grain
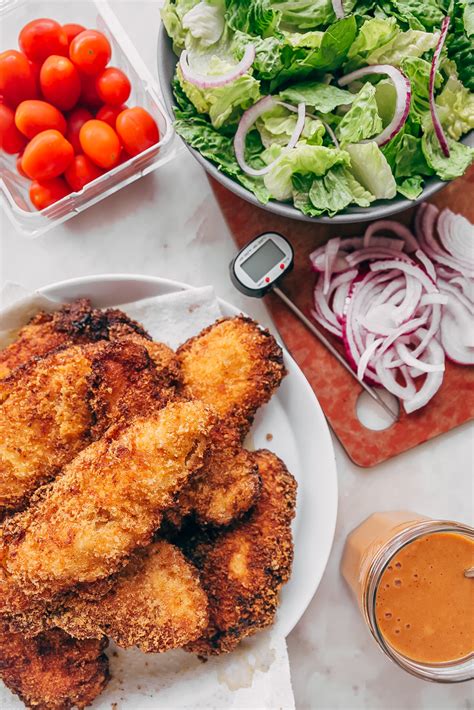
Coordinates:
[336,390]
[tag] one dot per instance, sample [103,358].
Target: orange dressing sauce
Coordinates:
[424,604]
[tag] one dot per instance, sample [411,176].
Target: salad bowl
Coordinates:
[379,209]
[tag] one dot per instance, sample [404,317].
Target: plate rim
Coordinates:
[284,625]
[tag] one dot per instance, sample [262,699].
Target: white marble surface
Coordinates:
[168,224]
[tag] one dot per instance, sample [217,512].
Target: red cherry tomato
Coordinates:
[60,82]
[32,117]
[47,155]
[137,130]
[100,143]
[17,81]
[113,86]
[72,30]
[46,192]
[36,68]
[75,121]
[89,96]
[11,140]
[81,171]
[109,114]
[40,39]
[90,51]
[19,168]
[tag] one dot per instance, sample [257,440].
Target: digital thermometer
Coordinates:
[260,266]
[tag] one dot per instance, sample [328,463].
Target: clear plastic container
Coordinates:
[97,14]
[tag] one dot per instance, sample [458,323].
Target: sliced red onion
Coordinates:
[365,357]
[390,383]
[402,106]
[338,9]
[427,263]
[456,234]
[411,361]
[411,269]
[433,381]
[438,128]
[400,230]
[205,81]
[452,342]
[247,122]
[332,247]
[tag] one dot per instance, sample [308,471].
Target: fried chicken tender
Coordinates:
[234,365]
[74,323]
[156,603]
[243,569]
[107,502]
[224,489]
[53,671]
[53,407]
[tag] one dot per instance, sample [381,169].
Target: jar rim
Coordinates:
[456,671]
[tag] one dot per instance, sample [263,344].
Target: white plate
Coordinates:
[300,436]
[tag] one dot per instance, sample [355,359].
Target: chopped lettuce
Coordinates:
[305,14]
[205,22]
[362,120]
[276,128]
[374,33]
[418,72]
[413,43]
[322,97]
[254,17]
[460,40]
[172,14]
[411,187]
[224,104]
[304,158]
[455,106]
[337,190]
[371,169]
[460,156]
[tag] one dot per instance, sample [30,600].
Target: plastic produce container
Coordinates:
[93,14]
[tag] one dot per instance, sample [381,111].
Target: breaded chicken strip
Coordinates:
[52,407]
[107,502]
[233,365]
[224,489]
[74,323]
[243,569]
[53,671]
[156,603]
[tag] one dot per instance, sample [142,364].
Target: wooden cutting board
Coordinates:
[336,390]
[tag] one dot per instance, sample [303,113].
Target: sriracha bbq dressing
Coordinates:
[424,604]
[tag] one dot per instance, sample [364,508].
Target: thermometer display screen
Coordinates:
[263,260]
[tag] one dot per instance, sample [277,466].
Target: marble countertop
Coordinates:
[169,224]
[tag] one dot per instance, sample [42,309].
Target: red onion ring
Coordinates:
[402,107]
[203,81]
[438,128]
[248,121]
[338,8]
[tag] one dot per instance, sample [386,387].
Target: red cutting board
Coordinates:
[336,390]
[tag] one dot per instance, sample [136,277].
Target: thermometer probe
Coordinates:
[260,266]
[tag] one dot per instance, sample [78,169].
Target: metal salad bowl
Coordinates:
[379,209]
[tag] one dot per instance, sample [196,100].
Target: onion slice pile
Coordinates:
[400,304]
[247,122]
[438,128]
[402,106]
[206,81]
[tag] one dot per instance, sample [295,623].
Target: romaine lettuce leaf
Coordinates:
[412,43]
[309,40]
[172,14]
[373,34]
[304,158]
[277,126]
[370,167]
[268,60]
[337,190]
[459,159]
[411,187]
[455,106]
[362,120]
[409,159]
[205,22]
[224,104]
[305,14]
[254,17]
[418,72]
[460,40]
[322,97]
[420,15]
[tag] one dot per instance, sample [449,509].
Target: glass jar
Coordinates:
[367,554]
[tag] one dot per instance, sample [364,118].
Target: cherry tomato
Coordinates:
[72,30]
[11,140]
[89,96]
[75,121]
[137,130]
[90,51]
[32,117]
[17,81]
[46,192]
[109,114]
[19,168]
[113,86]
[47,155]
[36,68]
[100,143]
[81,171]
[60,82]
[40,39]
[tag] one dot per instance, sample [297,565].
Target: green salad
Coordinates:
[326,104]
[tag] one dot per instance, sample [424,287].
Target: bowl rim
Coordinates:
[380,209]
